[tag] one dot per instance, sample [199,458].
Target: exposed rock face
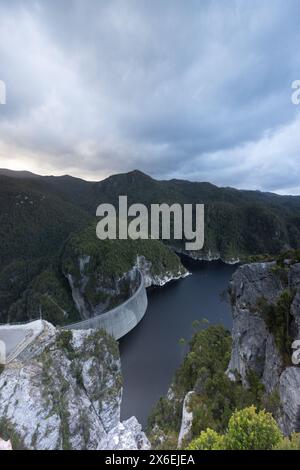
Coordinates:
[295,311]
[253,346]
[5,445]
[64,392]
[145,267]
[249,335]
[125,436]
[272,365]
[108,292]
[290,399]
[209,256]
[187,419]
[78,288]
[294,282]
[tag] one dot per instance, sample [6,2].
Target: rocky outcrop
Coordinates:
[209,256]
[249,334]
[290,399]
[127,435]
[186,420]
[295,312]
[254,346]
[5,445]
[272,365]
[64,392]
[94,293]
[78,287]
[152,279]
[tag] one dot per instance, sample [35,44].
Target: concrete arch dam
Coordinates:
[121,319]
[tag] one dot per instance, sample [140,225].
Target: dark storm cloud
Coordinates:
[198,89]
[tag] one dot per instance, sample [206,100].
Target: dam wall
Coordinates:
[121,319]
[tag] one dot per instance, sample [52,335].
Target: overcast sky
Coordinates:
[194,89]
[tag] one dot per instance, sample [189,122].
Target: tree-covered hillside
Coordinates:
[101,272]
[38,215]
[43,234]
[237,223]
[34,225]
[33,220]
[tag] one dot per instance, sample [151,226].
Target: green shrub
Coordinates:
[208,440]
[248,429]
[64,340]
[209,349]
[252,430]
[292,255]
[292,443]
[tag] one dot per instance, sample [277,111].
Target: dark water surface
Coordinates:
[151,353]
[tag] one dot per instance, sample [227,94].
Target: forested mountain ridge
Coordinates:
[237,223]
[34,225]
[33,219]
[39,217]
[39,214]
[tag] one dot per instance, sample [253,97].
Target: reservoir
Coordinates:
[151,353]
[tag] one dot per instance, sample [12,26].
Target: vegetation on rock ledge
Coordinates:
[216,397]
[248,429]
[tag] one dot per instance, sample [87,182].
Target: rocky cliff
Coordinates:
[101,274]
[64,392]
[255,365]
[266,319]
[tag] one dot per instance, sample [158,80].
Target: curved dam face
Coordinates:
[121,319]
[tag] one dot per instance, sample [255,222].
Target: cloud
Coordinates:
[187,89]
[270,163]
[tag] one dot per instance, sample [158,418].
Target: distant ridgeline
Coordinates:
[41,232]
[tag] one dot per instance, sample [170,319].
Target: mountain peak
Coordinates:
[131,177]
[138,174]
